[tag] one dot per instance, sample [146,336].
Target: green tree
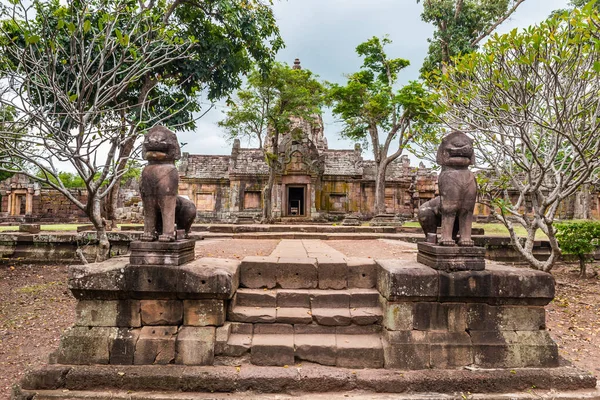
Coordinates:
[374,110]
[579,239]
[88,78]
[530,99]
[269,106]
[460,25]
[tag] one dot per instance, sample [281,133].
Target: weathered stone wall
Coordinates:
[53,206]
[212,198]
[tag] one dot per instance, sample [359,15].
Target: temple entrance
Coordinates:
[295,197]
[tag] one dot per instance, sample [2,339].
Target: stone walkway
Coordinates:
[296,248]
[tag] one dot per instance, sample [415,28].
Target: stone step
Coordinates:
[320,271]
[302,306]
[305,298]
[286,344]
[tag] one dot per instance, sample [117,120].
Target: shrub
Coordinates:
[580,239]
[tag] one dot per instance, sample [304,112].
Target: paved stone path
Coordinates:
[308,248]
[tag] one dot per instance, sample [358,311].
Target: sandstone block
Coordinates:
[273,329]
[450,349]
[314,329]
[406,350]
[209,312]
[207,277]
[30,228]
[83,345]
[401,280]
[297,273]
[252,314]
[332,316]
[255,298]
[293,298]
[239,341]
[514,349]
[258,272]
[195,346]
[440,316]
[318,348]
[151,281]
[483,317]
[121,313]
[122,348]
[362,272]
[156,345]
[497,285]
[330,299]
[332,273]
[397,316]
[162,253]
[221,337]
[366,315]
[103,280]
[161,312]
[364,297]
[359,351]
[455,258]
[272,349]
[293,315]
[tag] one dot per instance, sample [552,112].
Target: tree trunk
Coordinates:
[112,198]
[95,215]
[267,216]
[582,269]
[380,188]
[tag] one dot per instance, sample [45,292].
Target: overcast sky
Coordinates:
[323,34]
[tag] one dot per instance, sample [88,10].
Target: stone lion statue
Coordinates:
[453,209]
[163,208]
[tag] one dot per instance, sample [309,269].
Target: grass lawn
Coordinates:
[490,229]
[496,229]
[49,227]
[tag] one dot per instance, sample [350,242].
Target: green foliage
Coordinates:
[460,26]
[579,238]
[530,97]
[68,179]
[271,102]
[376,111]
[371,101]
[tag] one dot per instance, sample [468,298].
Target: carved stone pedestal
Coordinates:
[386,220]
[162,253]
[451,258]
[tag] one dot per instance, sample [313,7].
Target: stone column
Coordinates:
[277,199]
[29,202]
[9,208]
[311,188]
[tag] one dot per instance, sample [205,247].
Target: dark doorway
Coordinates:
[295,201]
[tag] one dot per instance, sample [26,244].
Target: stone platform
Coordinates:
[451,258]
[162,253]
[306,303]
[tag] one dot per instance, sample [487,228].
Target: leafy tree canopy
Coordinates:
[460,25]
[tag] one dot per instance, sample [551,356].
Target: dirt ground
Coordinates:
[36,306]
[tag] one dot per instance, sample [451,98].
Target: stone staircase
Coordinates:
[305,302]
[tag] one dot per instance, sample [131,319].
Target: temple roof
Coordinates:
[248,162]
[204,166]
[342,162]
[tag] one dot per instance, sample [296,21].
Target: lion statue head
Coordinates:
[456,150]
[161,145]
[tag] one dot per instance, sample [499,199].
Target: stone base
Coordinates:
[351,221]
[162,253]
[64,382]
[386,220]
[451,258]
